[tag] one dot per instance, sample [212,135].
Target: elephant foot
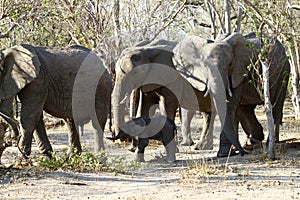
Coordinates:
[187,142]
[74,150]
[140,157]
[224,151]
[169,159]
[254,148]
[12,142]
[203,145]
[22,161]
[48,154]
[253,144]
[131,148]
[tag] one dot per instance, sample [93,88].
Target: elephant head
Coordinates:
[134,69]
[19,65]
[219,68]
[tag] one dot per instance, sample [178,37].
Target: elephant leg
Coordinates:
[41,138]
[277,115]
[170,102]
[186,118]
[139,152]
[32,100]
[81,129]
[149,101]
[99,126]
[168,140]
[250,123]
[133,145]
[74,141]
[229,135]
[206,138]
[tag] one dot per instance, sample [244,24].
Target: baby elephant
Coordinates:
[144,128]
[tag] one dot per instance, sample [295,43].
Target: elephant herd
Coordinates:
[213,77]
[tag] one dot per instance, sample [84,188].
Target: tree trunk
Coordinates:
[118,39]
[268,109]
[294,62]
[227,17]
[240,15]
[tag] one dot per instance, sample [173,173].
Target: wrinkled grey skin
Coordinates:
[204,64]
[3,144]
[206,137]
[6,112]
[166,134]
[43,78]
[144,53]
[149,55]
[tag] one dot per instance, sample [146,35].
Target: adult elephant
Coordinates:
[69,83]
[221,68]
[149,67]
[145,54]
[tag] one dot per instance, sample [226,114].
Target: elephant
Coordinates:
[222,69]
[144,128]
[143,54]
[69,83]
[153,55]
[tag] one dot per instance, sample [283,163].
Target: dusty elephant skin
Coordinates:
[142,59]
[208,65]
[6,112]
[3,145]
[149,55]
[143,54]
[144,128]
[45,79]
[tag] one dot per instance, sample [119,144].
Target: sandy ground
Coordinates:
[195,175]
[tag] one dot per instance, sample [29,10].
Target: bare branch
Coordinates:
[213,25]
[74,38]
[258,14]
[6,34]
[172,18]
[14,25]
[218,15]
[295,7]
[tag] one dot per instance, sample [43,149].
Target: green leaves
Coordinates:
[83,162]
[88,162]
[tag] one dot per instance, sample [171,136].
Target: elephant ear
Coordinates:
[187,59]
[20,66]
[241,58]
[159,55]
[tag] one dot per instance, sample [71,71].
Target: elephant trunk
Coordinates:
[224,110]
[120,95]
[118,110]
[14,124]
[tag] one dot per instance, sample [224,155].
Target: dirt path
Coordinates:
[196,175]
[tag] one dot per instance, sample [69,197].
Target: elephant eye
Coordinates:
[136,58]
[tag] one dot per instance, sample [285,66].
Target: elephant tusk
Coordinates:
[207,91]
[124,99]
[229,92]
